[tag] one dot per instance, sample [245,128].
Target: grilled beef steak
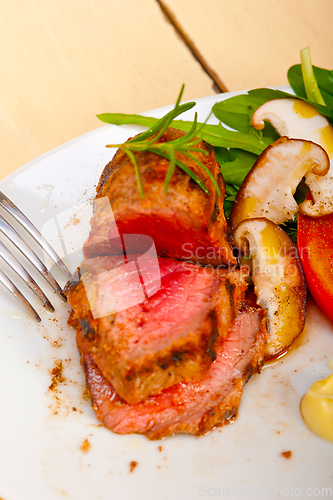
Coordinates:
[194,407]
[146,335]
[167,345]
[185,223]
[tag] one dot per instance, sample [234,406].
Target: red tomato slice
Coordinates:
[315,247]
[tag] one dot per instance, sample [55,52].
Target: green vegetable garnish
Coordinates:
[310,82]
[324,80]
[148,141]
[235,164]
[237,111]
[215,135]
[236,149]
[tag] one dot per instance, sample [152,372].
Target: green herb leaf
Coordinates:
[149,141]
[137,173]
[219,136]
[236,149]
[236,112]
[183,167]
[310,82]
[126,119]
[324,79]
[163,123]
[216,135]
[170,171]
[235,164]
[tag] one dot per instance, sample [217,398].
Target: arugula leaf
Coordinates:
[310,82]
[216,135]
[219,136]
[237,149]
[234,164]
[231,191]
[227,206]
[313,84]
[162,124]
[236,112]
[324,79]
[126,119]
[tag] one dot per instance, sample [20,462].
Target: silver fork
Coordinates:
[7,229]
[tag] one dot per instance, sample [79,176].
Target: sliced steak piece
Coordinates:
[195,407]
[185,223]
[145,344]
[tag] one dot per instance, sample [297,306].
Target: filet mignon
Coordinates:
[167,345]
[143,344]
[194,407]
[185,223]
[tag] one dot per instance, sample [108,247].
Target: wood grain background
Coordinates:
[64,62]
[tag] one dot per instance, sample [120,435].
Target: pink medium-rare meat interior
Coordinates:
[195,406]
[164,338]
[185,223]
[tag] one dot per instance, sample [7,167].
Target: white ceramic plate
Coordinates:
[51,444]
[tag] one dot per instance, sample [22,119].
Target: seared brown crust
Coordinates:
[195,407]
[177,360]
[185,223]
[127,346]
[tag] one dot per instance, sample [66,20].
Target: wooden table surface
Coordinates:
[64,62]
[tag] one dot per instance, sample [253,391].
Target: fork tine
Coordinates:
[13,210]
[9,258]
[18,295]
[21,245]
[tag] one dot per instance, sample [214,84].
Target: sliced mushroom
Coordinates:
[267,190]
[278,280]
[297,119]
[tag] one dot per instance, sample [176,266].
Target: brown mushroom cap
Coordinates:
[267,191]
[297,119]
[278,279]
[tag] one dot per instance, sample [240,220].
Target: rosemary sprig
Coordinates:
[148,141]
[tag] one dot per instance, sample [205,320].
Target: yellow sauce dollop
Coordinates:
[317,408]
